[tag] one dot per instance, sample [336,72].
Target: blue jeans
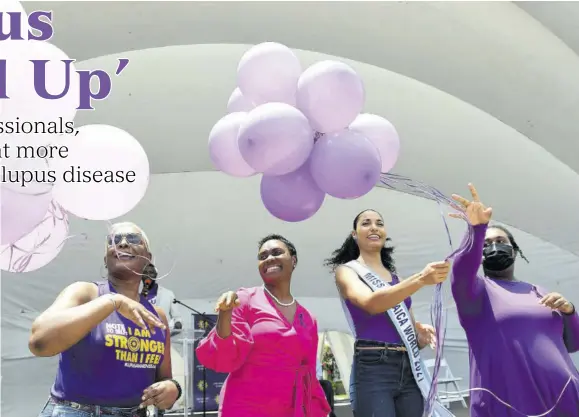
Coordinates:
[52,409]
[382,384]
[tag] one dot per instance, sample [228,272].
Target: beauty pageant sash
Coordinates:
[400,317]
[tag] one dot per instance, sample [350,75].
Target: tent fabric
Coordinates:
[481,92]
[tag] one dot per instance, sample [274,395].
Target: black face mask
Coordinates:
[498,257]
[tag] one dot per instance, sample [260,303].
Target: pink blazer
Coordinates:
[271,362]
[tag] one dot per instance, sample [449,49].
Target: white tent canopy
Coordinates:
[481,92]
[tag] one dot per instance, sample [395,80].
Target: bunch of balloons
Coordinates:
[304,131]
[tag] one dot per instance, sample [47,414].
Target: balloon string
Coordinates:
[437,311]
[118,252]
[20,263]
[550,410]
[404,184]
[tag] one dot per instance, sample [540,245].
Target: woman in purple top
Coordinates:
[381,383]
[519,335]
[114,350]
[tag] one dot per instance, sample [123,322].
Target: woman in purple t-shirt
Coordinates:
[113,345]
[519,335]
[381,383]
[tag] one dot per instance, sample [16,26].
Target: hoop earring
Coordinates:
[102,273]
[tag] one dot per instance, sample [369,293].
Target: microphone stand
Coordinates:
[204,373]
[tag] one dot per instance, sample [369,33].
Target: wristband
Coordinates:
[180,391]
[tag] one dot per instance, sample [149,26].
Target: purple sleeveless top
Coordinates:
[113,364]
[377,327]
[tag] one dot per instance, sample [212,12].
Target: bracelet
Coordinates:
[180,391]
[112,298]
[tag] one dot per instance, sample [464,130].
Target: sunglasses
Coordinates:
[130,238]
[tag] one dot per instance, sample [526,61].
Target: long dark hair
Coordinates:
[350,251]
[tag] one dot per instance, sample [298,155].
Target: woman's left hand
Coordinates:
[426,335]
[161,394]
[556,301]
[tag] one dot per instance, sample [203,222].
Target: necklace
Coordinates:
[277,301]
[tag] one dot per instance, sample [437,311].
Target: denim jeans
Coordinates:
[52,409]
[382,385]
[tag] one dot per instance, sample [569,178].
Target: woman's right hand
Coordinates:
[475,211]
[137,313]
[227,302]
[435,273]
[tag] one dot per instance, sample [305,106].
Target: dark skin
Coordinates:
[477,213]
[78,309]
[275,265]
[494,235]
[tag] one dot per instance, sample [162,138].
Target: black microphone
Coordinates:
[203,315]
[149,276]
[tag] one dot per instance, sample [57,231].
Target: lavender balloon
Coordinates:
[275,139]
[345,164]
[223,149]
[239,103]
[384,136]
[293,197]
[21,213]
[269,72]
[331,95]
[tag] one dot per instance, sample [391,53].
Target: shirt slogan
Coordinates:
[134,346]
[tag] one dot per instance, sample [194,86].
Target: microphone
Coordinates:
[210,320]
[149,275]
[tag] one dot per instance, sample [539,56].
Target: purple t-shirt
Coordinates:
[113,364]
[519,349]
[376,327]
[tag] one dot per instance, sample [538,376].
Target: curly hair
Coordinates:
[350,251]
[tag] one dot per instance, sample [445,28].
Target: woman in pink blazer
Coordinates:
[267,342]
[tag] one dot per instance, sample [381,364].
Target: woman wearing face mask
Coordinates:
[267,342]
[519,335]
[113,345]
[383,381]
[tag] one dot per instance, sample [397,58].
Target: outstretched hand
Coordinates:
[475,211]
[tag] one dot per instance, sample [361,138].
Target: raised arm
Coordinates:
[74,313]
[466,286]
[376,302]
[229,343]
[320,406]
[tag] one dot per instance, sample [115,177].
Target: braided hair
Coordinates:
[514,243]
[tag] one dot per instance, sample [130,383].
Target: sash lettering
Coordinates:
[400,317]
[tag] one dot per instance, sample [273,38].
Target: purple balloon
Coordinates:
[293,197]
[382,134]
[275,139]
[223,149]
[269,72]
[21,213]
[239,103]
[331,95]
[345,164]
